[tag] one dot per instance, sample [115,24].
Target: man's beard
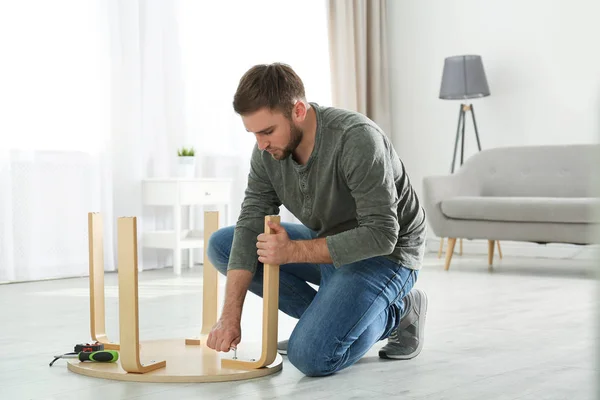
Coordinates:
[296,135]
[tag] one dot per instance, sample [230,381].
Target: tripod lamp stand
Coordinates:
[463,78]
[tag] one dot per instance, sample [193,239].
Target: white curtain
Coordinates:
[147,106]
[359,58]
[54,97]
[103,96]
[95,104]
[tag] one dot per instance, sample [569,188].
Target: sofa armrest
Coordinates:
[441,187]
[438,188]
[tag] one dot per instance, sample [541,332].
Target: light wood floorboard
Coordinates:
[525,331]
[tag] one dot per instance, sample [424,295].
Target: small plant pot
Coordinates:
[186,167]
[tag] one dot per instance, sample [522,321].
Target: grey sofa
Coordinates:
[541,194]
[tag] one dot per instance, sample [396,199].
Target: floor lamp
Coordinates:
[463,78]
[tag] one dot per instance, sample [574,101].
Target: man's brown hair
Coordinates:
[275,86]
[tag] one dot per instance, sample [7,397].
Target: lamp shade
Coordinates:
[463,78]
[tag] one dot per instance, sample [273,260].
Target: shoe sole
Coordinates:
[282,350]
[422,312]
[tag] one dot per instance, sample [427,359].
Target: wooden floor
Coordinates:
[526,331]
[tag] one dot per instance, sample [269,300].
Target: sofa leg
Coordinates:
[449,252]
[499,249]
[460,253]
[491,244]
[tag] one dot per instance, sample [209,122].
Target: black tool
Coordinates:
[90,352]
[97,346]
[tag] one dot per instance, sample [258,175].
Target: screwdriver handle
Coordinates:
[99,356]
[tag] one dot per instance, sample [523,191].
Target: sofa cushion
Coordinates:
[523,209]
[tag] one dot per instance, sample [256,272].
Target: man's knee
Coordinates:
[219,248]
[311,358]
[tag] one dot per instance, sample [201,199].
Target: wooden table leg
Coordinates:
[128,299]
[270,315]
[96,271]
[210,282]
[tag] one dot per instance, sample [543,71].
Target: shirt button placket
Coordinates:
[303,188]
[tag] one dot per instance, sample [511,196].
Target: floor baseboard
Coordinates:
[522,249]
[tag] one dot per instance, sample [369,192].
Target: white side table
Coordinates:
[178,192]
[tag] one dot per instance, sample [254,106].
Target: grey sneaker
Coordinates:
[406,341]
[282,347]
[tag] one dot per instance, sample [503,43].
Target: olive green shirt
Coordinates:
[354,191]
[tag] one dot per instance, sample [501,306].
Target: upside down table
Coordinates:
[172,359]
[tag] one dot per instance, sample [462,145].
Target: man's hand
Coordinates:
[276,247]
[227,332]
[225,335]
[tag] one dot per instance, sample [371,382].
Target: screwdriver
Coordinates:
[94,356]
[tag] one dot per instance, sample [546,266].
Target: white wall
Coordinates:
[542,64]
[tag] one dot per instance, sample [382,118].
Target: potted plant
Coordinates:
[187,162]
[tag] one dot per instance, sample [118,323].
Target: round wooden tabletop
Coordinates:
[184,363]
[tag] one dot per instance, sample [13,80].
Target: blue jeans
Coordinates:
[356,305]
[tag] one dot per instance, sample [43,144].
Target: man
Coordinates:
[361,239]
